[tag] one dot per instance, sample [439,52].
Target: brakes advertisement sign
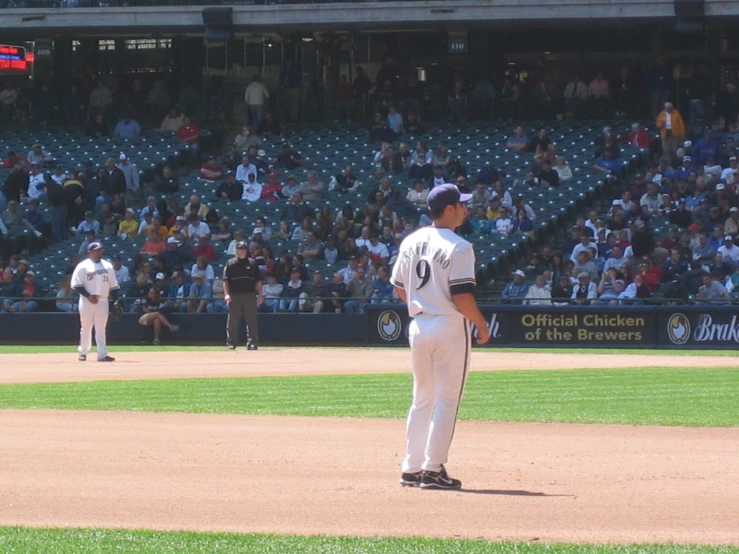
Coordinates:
[700,328]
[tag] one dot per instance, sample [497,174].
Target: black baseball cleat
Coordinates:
[251,346]
[439,480]
[411,479]
[231,347]
[82,357]
[107,359]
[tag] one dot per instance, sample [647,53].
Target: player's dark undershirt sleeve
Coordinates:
[83,291]
[462,273]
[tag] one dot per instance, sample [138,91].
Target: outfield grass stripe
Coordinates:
[641,396]
[107,541]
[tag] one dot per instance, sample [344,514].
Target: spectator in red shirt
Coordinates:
[638,137]
[651,274]
[210,170]
[204,248]
[153,245]
[189,135]
[272,189]
[11,160]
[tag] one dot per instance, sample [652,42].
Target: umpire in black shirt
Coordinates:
[242,290]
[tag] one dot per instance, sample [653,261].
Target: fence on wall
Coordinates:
[694,327]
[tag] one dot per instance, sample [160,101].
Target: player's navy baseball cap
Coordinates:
[446,195]
[94,246]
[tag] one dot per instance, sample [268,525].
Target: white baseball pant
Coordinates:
[440,358]
[93,315]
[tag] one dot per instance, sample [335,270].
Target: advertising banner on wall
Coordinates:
[602,327]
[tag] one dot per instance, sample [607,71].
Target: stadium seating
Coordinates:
[328,150]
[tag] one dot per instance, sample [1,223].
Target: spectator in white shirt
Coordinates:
[196,228]
[729,250]
[252,189]
[255,96]
[418,194]
[378,251]
[130,172]
[36,182]
[538,293]
[562,169]
[203,268]
[729,174]
[245,169]
[586,242]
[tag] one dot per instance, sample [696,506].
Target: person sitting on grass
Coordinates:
[151,315]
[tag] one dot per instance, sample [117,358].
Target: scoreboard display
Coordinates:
[15,60]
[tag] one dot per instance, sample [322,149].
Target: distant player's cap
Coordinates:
[583,275]
[89,213]
[446,195]
[729,238]
[159,276]
[172,240]
[241,244]
[520,273]
[94,246]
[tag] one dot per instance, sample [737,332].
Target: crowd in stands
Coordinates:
[616,257]
[609,258]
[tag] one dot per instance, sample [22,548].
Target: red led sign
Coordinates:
[15,59]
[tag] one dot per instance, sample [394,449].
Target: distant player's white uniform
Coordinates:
[433,263]
[97,278]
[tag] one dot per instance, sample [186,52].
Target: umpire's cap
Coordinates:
[445,195]
[241,244]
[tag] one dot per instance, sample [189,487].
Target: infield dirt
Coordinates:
[572,483]
[62,368]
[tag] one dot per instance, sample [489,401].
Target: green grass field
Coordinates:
[60,349]
[98,541]
[640,396]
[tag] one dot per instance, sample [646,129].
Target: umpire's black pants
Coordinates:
[244,303]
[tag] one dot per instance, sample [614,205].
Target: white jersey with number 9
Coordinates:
[433,263]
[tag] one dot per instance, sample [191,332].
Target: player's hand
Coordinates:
[483,334]
[227,298]
[93,299]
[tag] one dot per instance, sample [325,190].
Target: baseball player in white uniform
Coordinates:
[435,277]
[94,278]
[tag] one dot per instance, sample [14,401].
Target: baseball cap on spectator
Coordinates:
[94,246]
[180,219]
[732,158]
[728,238]
[241,244]
[130,211]
[445,195]
[519,273]
[687,144]
[734,209]
[30,273]
[257,231]
[122,156]
[686,158]
[274,174]
[695,265]
[720,186]
[172,240]
[159,277]
[564,276]
[694,227]
[616,202]
[89,213]
[198,276]
[583,275]
[117,257]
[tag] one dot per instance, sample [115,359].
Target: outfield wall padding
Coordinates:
[690,327]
